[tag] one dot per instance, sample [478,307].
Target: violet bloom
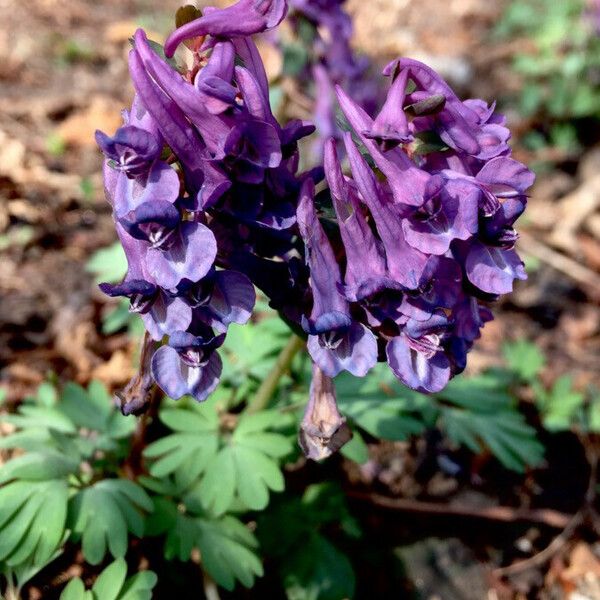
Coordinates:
[176,249]
[417,356]
[365,260]
[470,127]
[336,342]
[188,365]
[131,149]
[450,212]
[405,264]
[162,314]
[244,18]
[221,298]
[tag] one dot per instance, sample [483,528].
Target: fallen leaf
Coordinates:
[78,129]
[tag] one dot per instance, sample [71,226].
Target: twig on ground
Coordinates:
[556,545]
[506,514]
[570,267]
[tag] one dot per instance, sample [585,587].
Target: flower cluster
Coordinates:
[201,176]
[395,261]
[425,244]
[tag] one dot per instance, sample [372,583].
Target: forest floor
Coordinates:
[63,74]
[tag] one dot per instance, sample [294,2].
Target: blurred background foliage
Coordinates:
[487,489]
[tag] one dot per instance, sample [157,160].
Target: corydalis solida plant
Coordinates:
[208,203]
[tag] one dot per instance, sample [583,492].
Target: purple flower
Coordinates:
[160,183]
[405,264]
[189,365]
[417,356]
[450,212]
[132,149]
[493,270]
[365,261]
[162,314]
[209,202]
[222,298]
[390,128]
[176,249]
[244,18]
[336,342]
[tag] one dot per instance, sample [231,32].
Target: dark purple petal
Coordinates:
[178,379]
[248,52]
[172,101]
[415,369]
[244,18]
[255,142]
[160,183]
[365,263]
[405,179]
[390,128]
[451,214]
[153,222]
[190,256]
[132,149]
[229,298]
[325,278]
[404,263]
[255,102]
[493,270]
[506,177]
[492,140]
[353,350]
[166,316]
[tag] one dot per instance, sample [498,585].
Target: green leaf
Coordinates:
[30,416]
[256,473]
[74,590]
[90,409]
[380,405]
[227,551]
[32,520]
[218,485]
[138,587]
[38,466]
[506,434]
[112,585]
[524,359]
[560,406]
[108,264]
[110,581]
[251,351]
[103,515]
[356,449]
[318,571]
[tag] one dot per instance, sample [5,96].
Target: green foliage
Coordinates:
[310,566]
[226,545]
[480,413]
[108,264]
[524,359]
[210,466]
[112,584]
[558,67]
[477,412]
[219,466]
[68,439]
[103,515]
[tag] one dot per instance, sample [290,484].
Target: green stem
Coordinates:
[269,385]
